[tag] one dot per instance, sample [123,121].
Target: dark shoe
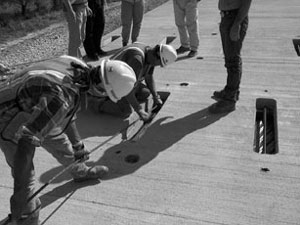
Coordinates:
[85,173]
[93,57]
[222,107]
[124,44]
[26,219]
[225,95]
[182,50]
[192,53]
[101,52]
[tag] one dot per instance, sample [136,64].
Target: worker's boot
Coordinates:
[224,95]
[81,172]
[26,219]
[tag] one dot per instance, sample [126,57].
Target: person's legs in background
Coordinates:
[192,26]
[126,18]
[179,13]
[138,15]
[99,25]
[76,30]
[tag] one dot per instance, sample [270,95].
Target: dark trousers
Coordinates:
[94,29]
[232,51]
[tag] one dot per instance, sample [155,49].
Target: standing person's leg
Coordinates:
[232,54]
[99,29]
[192,25]
[138,15]
[228,97]
[74,32]
[82,18]
[88,42]
[126,17]
[180,13]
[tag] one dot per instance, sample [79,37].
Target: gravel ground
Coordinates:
[50,42]
[45,44]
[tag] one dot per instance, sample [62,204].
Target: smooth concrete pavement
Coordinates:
[194,168]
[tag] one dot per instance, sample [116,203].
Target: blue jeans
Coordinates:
[232,51]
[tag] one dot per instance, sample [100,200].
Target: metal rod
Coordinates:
[265,130]
[78,160]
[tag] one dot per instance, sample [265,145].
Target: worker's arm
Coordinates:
[47,104]
[149,79]
[136,106]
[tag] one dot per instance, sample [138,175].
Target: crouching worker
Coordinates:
[142,59]
[38,107]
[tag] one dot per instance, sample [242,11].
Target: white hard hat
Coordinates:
[118,78]
[167,54]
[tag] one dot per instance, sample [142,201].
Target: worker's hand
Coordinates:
[80,152]
[89,11]
[157,101]
[144,115]
[235,32]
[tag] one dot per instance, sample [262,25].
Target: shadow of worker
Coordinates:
[127,157]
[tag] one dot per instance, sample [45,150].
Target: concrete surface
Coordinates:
[194,168]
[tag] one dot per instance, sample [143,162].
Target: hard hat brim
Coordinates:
[103,80]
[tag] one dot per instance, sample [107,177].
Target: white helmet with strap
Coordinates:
[167,54]
[118,78]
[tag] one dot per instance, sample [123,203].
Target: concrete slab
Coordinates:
[194,168]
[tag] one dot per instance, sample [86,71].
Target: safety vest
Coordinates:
[56,70]
[138,48]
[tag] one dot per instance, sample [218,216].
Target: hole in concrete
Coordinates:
[296,43]
[264,169]
[200,57]
[132,159]
[214,33]
[184,84]
[266,132]
[266,90]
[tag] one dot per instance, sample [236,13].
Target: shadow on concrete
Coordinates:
[127,157]
[91,124]
[62,191]
[159,137]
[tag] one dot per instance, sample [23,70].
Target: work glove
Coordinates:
[80,152]
[144,115]
[157,101]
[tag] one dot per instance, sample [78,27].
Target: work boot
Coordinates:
[222,107]
[225,95]
[26,219]
[182,50]
[81,172]
[192,53]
